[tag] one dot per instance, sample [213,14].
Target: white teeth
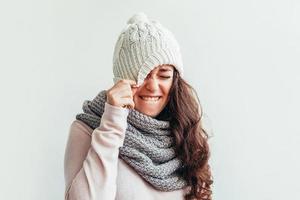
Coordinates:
[150,98]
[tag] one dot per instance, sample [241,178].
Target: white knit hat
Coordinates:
[142,45]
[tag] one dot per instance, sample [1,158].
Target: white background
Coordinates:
[241,56]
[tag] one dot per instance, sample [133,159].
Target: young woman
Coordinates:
[143,137]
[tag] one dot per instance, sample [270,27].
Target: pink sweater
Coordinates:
[93,170]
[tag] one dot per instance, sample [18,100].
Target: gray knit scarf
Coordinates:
[148,145]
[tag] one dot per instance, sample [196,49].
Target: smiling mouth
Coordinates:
[150,99]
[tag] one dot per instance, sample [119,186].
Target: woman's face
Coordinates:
[153,95]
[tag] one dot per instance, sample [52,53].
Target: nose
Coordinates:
[151,84]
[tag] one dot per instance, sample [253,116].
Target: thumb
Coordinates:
[134,89]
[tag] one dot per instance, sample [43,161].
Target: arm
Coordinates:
[90,163]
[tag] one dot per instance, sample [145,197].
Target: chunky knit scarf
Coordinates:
[148,145]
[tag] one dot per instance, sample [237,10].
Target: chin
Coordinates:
[151,114]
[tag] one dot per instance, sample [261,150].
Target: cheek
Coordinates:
[166,88]
[137,93]
[136,98]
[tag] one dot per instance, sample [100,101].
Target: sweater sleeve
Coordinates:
[91,160]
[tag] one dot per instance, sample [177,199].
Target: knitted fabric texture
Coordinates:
[143,45]
[148,145]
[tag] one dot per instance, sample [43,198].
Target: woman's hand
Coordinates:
[121,94]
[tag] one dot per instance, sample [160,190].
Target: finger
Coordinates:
[134,90]
[131,82]
[127,103]
[127,81]
[124,92]
[125,85]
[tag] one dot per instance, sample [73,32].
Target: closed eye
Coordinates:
[165,77]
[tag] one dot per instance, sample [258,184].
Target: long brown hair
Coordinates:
[184,112]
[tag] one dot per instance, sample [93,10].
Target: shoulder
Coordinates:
[79,127]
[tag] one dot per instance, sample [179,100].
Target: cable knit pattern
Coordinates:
[142,45]
[148,145]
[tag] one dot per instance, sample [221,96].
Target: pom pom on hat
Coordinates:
[138,17]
